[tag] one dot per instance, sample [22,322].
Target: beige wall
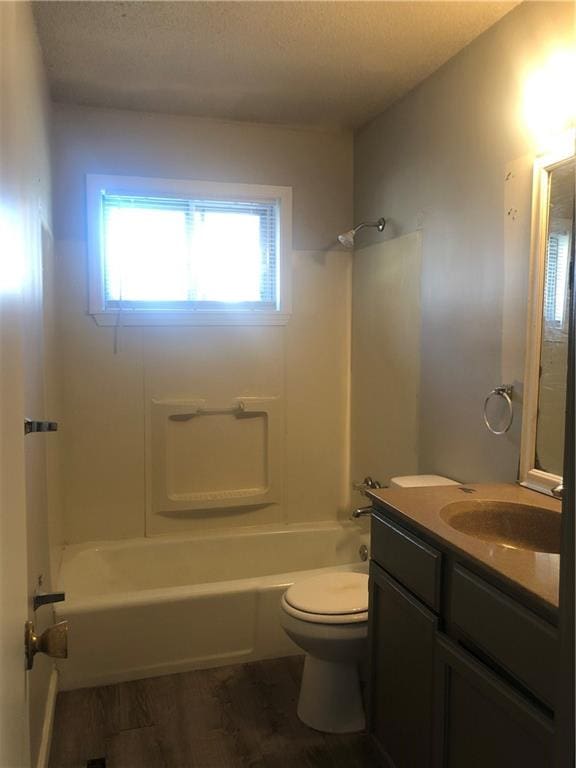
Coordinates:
[437,161]
[305,364]
[26,187]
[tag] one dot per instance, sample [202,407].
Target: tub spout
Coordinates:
[361,511]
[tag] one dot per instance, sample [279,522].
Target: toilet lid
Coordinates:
[330,594]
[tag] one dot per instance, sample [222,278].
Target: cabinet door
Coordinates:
[401,636]
[482,721]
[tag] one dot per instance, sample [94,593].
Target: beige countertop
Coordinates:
[536,573]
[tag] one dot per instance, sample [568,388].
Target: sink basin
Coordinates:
[519,526]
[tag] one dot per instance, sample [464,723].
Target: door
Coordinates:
[481,720]
[19,237]
[13,546]
[402,633]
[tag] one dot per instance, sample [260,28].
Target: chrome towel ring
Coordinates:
[505,391]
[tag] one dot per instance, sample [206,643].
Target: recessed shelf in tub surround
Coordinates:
[534,575]
[205,455]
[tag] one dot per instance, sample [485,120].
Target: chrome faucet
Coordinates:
[558,491]
[367,484]
[361,511]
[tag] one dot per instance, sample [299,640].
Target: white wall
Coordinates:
[305,364]
[452,159]
[25,193]
[385,359]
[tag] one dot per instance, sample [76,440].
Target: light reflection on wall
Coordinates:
[549,100]
[12,263]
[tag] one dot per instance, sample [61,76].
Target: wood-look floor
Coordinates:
[242,716]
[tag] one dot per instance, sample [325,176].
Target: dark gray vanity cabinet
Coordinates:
[402,635]
[461,674]
[480,721]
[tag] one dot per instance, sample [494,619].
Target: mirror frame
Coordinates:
[529,476]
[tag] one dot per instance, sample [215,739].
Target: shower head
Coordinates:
[347,238]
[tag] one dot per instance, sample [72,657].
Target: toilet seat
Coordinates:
[331,598]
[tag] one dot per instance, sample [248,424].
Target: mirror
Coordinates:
[542,452]
[554,346]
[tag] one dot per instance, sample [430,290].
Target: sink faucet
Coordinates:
[367,484]
[558,491]
[361,511]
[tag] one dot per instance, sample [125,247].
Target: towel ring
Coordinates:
[505,391]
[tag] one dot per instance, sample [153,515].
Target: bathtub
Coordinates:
[144,607]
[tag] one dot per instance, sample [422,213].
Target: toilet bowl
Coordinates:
[327,616]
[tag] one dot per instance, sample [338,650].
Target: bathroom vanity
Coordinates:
[463,636]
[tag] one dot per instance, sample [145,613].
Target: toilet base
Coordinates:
[330,697]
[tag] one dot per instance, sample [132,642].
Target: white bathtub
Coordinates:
[144,607]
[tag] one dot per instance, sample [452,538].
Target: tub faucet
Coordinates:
[367,484]
[361,511]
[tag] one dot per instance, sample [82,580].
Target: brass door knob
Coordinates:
[53,642]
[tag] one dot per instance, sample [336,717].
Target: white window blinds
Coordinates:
[555,278]
[176,253]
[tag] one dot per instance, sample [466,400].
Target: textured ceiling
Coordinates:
[308,63]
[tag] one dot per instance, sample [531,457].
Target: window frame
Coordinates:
[144,186]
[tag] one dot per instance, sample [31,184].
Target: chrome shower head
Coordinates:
[347,238]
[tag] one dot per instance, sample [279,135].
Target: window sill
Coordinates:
[164,318]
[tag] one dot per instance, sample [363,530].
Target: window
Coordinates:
[174,252]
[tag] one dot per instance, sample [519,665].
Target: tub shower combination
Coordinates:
[145,607]
[173,601]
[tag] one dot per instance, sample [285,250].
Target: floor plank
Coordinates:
[140,747]
[242,716]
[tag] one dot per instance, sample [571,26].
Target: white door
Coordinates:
[14,223]
[13,548]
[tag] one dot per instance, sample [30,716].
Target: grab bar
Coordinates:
[237,410]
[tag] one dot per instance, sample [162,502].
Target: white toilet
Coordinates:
[327,616]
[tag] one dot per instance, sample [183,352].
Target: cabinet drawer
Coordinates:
[413,563]
[517,640]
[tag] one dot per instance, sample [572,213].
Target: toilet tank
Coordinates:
[420,481]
